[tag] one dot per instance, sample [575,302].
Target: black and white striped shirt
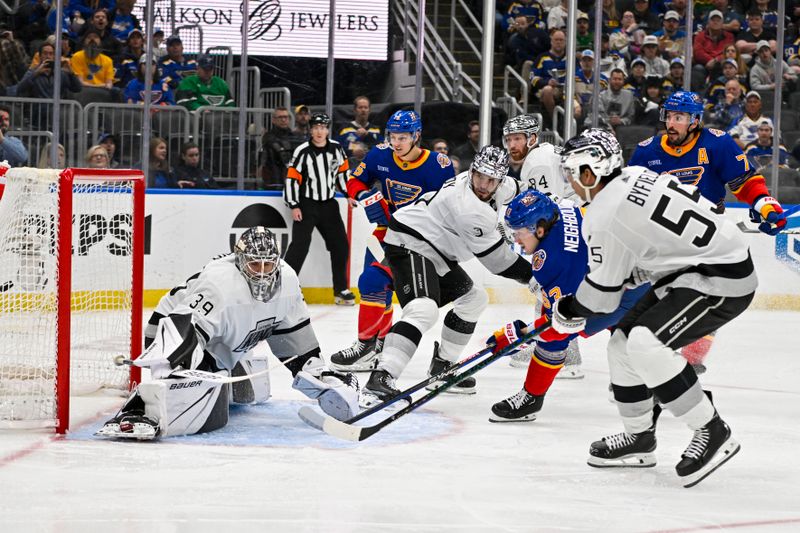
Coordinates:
[315,173]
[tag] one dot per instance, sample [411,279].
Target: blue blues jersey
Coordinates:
[174,71]
[709,162]
[401,182]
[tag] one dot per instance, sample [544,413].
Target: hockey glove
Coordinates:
[374,206]
[550,334]
[563,323]
[637,278]
[508,334]
[768,212]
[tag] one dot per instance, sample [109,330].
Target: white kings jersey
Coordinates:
[541,170]
[655,223]
[232,322]
[453,225]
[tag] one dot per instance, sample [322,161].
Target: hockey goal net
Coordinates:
[71,249]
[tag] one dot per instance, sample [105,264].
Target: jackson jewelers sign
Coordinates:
[294,28]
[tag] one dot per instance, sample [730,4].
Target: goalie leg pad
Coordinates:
[336,393]
[254,390]
[185,406]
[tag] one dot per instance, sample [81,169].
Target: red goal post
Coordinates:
[71,268]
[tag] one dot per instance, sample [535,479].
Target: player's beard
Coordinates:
[679,141]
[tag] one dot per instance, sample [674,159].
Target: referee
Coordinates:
[318,166]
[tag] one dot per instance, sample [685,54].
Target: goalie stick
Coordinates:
[345,430]
[211,376]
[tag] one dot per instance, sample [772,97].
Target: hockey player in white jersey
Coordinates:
[538,166]
[424,245]
[212,323]
[702,277]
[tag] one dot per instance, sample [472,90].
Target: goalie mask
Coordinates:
[596,149]
[487,170]
[258,259]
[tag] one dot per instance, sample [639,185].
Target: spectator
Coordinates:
[160,175]
[97,157]
[71,23]
[583,37]
[732,20]
[301,118]
[635,81]
[730,108]
[768,11]
[709,47]
[584,79]
[654,64]
[609,59]
[91,66]
[745,131]
[109,142]
[320,166]
[616,105]
[161,93]
[123,20]
[526,43]
[277,147]
[742,70]
[762,75]
[557,16]
[175,66]
[38,82]
[11,148]
[760,150]
[611,17]
[440,146]
[628,34]
[44,157]
[716,91]
[189,173]
[66,48]
[747,40]
[359,136]
[13,62]
[526,8]
[109,45]
[671,37]
[466,152]
[127,63]
[548,73]
[158,39]
[649,104]
[646,19]
[88,8]
[673,82]
[204,88]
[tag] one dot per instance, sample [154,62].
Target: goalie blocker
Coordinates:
[212,323]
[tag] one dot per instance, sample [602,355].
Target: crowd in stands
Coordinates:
[641,61]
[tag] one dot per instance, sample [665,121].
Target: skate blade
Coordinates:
[726,451]
[570,373]
[367,366]
[633,460]
[499,420]
[127,436]
[453,390]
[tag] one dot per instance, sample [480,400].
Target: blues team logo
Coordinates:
[401,193]
[443,160]
[688,176]
[538,259]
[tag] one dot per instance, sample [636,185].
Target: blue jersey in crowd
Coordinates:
[709,161]
[401,181]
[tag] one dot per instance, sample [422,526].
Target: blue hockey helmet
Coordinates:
[530,209]
[404,122]
[683,102]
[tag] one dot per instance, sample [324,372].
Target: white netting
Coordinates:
[101,275]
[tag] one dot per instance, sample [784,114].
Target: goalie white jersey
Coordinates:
[453,225]
[232,322]
[541,170]
[655,223]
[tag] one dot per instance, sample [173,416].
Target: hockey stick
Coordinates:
[347,431]
[211,376]
[792,226]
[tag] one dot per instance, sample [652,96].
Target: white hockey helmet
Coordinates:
[527,125]
[596,148]
[492,163]
[258,259]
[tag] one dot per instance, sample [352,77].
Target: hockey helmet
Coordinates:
[258,259]
[526,124]
[404,122]
[491,162]
[530,209]
[319,118]
[683,102]
[596,148]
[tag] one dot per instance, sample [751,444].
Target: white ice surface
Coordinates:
[445,468]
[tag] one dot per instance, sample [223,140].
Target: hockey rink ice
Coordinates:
[443,468]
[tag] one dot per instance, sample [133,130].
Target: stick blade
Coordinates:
[328,424]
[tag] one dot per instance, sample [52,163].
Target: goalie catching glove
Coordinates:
[336,392]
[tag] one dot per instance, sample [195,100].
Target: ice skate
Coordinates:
[344,297]
[572,364]
[709,449]
[362,356]
[522,357]
[379,388]
[521,407]
[130,426]
[439,365]
[624,450]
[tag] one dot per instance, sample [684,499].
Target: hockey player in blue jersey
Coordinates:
[392,175]
[710,160]
[551,233]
